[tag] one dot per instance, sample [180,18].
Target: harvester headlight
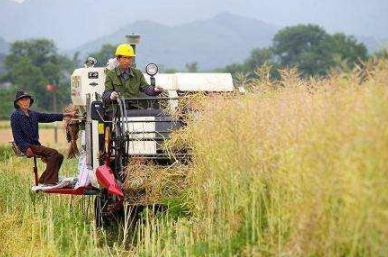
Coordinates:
[152,69]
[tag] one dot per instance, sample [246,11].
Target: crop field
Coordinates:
[296,167]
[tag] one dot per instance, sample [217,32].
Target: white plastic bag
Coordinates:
[112,64]
[84,173]
[65,182]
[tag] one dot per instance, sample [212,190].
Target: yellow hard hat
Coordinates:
[125,50]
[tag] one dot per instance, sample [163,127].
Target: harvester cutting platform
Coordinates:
[138,128]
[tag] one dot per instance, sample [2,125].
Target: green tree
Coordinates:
[381,54]
[170,70]
[2,57]
[192,67]
[346,48]
[313,51]
[257,58]
[6,105]
[164,69]
[304,46]
[33,64]
[106,52]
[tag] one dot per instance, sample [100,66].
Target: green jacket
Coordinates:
[128,88]
[131,87]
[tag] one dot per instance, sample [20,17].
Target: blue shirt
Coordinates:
[25,129]
[125,74]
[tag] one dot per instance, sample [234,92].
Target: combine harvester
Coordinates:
[139,128]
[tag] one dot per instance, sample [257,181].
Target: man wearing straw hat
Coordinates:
[25,130]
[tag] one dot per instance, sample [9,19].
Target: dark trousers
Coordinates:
[53,161]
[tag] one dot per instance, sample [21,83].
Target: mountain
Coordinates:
[213,43]
[179,32]
[4,46]
[71,23]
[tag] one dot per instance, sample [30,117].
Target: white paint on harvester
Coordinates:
[140,146]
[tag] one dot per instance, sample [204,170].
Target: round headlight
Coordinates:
[152,69]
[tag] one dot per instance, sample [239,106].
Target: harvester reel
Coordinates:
[119,138]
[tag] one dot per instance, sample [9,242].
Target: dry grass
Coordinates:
[148,184]
[298,169]
[294,168]
[44,225]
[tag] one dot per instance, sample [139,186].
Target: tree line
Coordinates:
[33,64]
[310,49]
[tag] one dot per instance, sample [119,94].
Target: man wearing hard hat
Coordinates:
[124,79]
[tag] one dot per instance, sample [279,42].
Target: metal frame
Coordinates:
[164,124]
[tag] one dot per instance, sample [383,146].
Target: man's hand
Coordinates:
[29,153]
[114,95]
[70,114]
[158,89]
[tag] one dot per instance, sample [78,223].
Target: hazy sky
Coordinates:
[354,16]
[334,14]
[60,19]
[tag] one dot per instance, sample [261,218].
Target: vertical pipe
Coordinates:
[133,40]
[55,110]
[134,58]
[88,132]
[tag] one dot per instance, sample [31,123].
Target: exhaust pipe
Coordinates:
[133,40]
